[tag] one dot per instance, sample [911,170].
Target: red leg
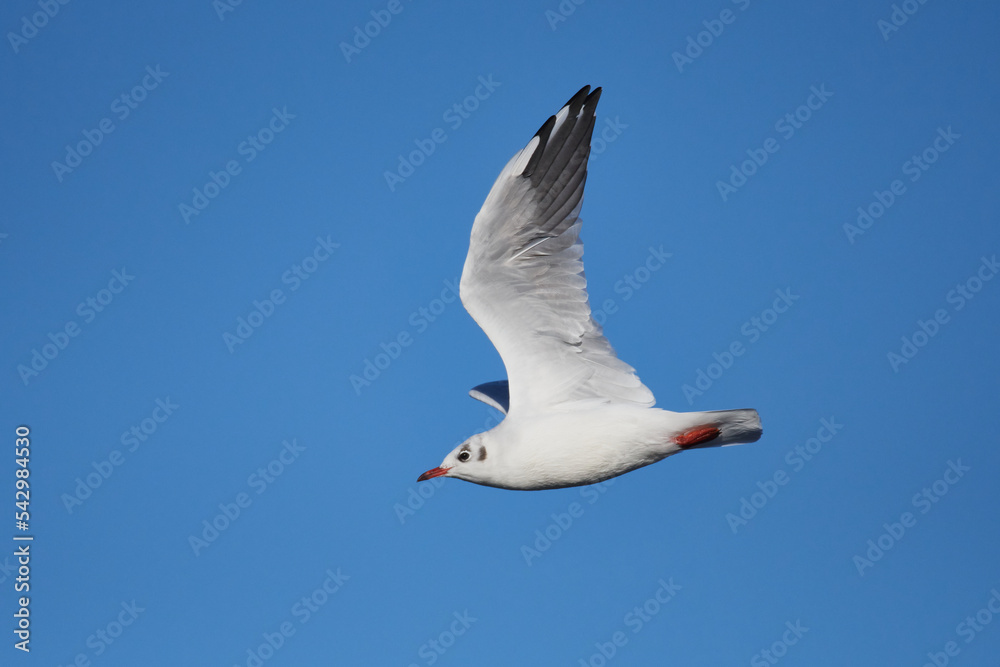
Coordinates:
[697,436]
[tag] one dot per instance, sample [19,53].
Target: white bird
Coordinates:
[575,413]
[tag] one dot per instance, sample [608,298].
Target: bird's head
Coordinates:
[469,461]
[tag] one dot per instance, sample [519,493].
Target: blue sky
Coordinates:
[216,215]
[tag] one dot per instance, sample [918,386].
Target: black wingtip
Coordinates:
[583,97]
[594,97]
[580,96]
[543,138]
[546,128]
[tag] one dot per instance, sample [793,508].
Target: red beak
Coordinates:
[432,473]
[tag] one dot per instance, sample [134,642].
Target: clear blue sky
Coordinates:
[201,247]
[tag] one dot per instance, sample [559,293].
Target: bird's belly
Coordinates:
[590,446]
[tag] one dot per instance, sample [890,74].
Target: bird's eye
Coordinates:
[464,455]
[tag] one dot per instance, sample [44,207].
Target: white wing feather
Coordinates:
[523,280]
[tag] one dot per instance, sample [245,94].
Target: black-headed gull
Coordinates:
[575,413]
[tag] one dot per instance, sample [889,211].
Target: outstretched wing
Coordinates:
[523,280]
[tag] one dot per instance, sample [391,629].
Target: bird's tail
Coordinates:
[716,428]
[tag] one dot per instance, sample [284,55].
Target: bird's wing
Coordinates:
[523,280]
[493,394]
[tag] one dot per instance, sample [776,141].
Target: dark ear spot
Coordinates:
[482,453]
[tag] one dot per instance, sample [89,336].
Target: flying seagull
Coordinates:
[575,413]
